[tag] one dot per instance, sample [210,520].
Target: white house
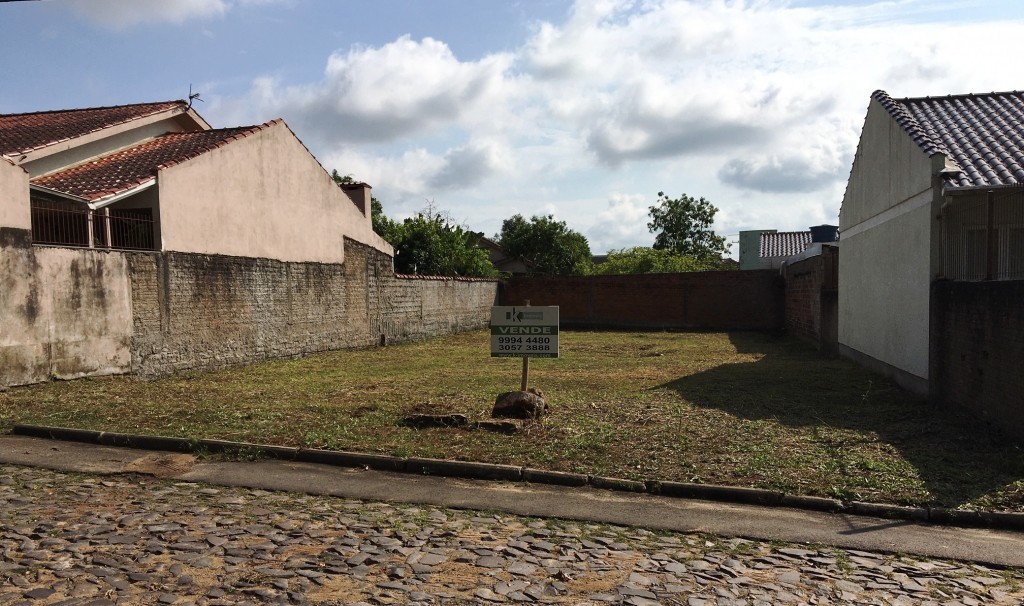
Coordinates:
[936,192]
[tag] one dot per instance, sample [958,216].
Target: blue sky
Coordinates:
[582,109]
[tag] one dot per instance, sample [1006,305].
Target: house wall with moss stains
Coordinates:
[66,313]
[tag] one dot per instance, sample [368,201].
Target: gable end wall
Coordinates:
[885,266]
[264,196]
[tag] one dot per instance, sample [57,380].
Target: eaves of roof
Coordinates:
[33,131]
[136,167]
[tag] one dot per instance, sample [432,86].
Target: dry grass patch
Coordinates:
[740,409]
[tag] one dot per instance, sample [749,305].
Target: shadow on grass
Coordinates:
[863,425]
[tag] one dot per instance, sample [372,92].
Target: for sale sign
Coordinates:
[524,332]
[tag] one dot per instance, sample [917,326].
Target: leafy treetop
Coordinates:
[643,260]
[547,246]
[683,225]
[430,243]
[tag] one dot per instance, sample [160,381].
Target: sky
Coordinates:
[582,109]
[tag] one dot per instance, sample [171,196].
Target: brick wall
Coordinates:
[206,311]
[812,304]
[977,351]
[729,300]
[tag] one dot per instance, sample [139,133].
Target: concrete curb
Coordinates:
[511,473]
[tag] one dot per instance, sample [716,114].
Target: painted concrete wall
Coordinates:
[14,206]
[66,313]
[885,268]
[263,196]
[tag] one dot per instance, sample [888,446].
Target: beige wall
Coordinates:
[66,313]
[261,196]
[885,268]
[14,204]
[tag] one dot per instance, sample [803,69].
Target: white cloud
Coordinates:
[469,165]
[374,95]
[622,224]
[755,105]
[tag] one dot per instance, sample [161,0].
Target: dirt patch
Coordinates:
[162,465]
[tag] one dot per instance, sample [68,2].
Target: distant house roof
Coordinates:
[20,133]
[784,243]
[982,133]
[129,168]
[500,259]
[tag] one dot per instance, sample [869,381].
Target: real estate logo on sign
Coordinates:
[524,332]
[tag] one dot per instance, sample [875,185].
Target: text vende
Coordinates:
[524,330]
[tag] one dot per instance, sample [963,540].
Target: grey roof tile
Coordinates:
[784,243]
[983,134]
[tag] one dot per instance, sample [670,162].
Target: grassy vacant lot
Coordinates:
[738,409]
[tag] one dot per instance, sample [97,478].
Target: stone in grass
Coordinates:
[500,425]
[529,404]
[424,421]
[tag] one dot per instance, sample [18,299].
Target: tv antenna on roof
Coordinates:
[192,96]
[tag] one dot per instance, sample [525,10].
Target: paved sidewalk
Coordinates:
[139,539]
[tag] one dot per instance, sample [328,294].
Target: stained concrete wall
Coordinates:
[886,264]
[63,312]
[263,195]
[66,313]
[75,312]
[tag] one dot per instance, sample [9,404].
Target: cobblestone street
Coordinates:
[78,539]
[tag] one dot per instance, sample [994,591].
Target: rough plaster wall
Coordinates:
[207,311]
[66,313]
[260,196]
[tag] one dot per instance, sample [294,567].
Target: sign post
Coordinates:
[524,331]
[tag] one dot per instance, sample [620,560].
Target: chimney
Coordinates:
[360,195]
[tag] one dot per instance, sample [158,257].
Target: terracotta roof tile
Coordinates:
[21,133]
[128,168]
[982,133]
[784,243]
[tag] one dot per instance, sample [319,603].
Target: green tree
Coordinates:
[643,260]
[431,244]
[547,246]
[683,226]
